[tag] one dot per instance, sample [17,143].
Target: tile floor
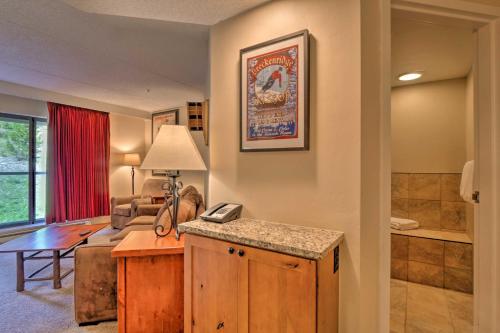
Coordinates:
[424,309]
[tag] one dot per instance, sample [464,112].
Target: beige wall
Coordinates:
[428,127]
[22,106]
[319,187]
[126,136]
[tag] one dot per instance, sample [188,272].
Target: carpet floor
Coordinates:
[41,309]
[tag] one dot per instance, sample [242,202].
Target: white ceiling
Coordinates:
[206,12]
[124,52]
[441,51]
[134,62]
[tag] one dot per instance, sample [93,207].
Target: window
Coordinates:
[23,156]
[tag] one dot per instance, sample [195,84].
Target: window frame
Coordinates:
[31,173]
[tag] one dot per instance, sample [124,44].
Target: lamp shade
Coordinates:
[132,159]
[173,149]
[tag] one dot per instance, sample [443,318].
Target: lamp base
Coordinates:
[133,181]
[174,187]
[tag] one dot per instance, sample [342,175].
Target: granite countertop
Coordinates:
[306,242]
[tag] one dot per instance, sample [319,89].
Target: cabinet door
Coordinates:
[211,286]
[280,292]
[154,294]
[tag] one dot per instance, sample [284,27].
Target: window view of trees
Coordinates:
[14,137]
[14,168]
[14,204]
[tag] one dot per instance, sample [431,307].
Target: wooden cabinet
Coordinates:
[236,288]
[213,287]
[150,283]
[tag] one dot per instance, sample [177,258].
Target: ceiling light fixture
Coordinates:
[409,76]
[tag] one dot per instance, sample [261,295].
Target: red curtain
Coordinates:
[78,163]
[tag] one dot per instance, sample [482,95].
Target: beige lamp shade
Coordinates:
[132,159]
[173,149]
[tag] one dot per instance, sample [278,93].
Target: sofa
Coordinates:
[95,287]
[124,209]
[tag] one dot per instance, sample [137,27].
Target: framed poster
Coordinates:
[168,117]
[274,94]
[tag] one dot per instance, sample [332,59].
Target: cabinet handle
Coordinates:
[241,253]
[230,250]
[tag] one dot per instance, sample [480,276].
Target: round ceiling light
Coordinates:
[409,76]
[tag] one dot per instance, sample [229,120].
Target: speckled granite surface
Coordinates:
[306,242]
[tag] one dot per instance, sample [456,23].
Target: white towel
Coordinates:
[467,182]
[403,224]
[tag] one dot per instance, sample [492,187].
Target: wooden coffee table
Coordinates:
[55,238]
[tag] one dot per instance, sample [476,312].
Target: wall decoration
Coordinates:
[205,109]
[195,116]
[168,117]
[274,91]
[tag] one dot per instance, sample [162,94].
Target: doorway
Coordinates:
[432,221]
[485,21]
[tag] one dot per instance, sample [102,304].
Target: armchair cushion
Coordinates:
[162,213]
[115,201]
[123,214]
[151,209]
[187,212]
[153,187]
[189,206]
[123,210]
[142,220]
[142,201]
[122,234]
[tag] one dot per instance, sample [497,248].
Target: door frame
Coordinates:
[487,232]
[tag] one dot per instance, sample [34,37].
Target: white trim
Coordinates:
[495,181]
[483,237]
[375,165]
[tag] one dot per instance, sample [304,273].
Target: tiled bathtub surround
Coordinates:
[437,263]
[431,199]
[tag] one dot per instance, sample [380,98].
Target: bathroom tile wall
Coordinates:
[399,257]
[437,263]
[431,199]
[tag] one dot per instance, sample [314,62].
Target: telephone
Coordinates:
[222,212]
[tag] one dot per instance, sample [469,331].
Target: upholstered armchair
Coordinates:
[124,209]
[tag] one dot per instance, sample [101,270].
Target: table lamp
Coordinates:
[132,160]
[173,150]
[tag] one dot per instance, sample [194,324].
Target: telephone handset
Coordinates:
[222,212]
